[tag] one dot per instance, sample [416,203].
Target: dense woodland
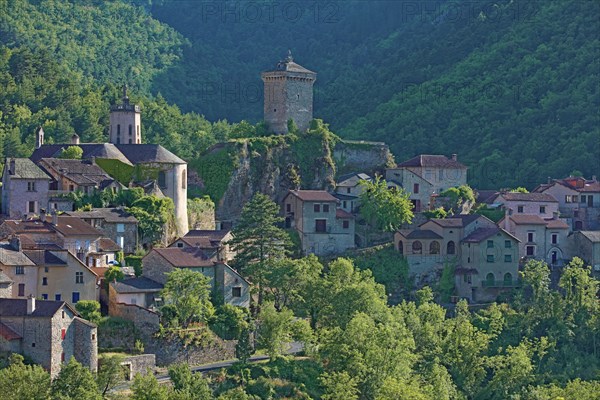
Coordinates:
[511,86]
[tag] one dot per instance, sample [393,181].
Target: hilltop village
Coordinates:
[93,236]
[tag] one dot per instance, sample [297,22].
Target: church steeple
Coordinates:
[125,122]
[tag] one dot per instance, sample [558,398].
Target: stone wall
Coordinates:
[145,321]
[362,156]
[86,343]
[140,364]
[169,351]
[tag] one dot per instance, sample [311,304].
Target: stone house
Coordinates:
[213,243]
[450,241]
[488,264]
[24,188]
[77,175]
[540,239]
[322,226]
[578,200]
[48,332]
[226,282]
[46,272]
[348,190]
[541,204]
[68,233]
[586,245]
[425,175]
[114,223]
[140,291]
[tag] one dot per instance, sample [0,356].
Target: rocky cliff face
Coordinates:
[275,165]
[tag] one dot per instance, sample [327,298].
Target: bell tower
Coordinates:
[288,94]
[125,122]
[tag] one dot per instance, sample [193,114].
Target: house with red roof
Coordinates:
[323,226]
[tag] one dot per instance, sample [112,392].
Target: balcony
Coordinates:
[501,284]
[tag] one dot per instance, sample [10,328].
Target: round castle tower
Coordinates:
[288,94]
[125,122]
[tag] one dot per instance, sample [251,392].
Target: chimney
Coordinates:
[594,178]
[15,243]
[12,168]
[43,214]
[454,157]
[555,215]
[506,219]
[54,218]
[75,139]
[30,305]
[39,138]
[549,180]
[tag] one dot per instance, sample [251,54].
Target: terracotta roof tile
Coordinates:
[185,257]
[342,214]
[541,197]
[7,333]
[313,195]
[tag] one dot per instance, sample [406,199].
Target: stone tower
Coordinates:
[288,95]
[125,122]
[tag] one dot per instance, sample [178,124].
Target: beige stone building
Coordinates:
[47,332]
[215,244]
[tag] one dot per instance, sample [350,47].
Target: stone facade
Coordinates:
[113,223]
[542,205]
[323,227]
[586,245]
[141,364]
[125,122]
[24,188]
[288,94]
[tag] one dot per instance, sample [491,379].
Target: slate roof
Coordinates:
[456,221]
[312,195]
[5,279]
[25,169]
[525,219]
[486,196]
[200,241]
[147,153]
[211,235]
[7,333]
[81,172]
[185,257]
[115,215]
[351,180]
[422,234]
[9,256]
[29,226]
[18,308]
[137,285]
[537,197]
[43,257]
[343,196]
[90,150]
[481,234]
[592,236]
[434,161]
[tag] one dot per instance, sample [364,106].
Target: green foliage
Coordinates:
[135,262]
[215,169]
[439,212]
[386,208]
[89,309]
[520,189]
[110,373]
[146,387]
[188,385]
[113,274]
[187,294]
[274,329]
[338,386]
[74,381]
[243,348]
[72,153]
[388,268]
[457,196]
[494,214]
[201,213]
[446,283]
[122,172]
[230,321]
[24,382]
[154,214]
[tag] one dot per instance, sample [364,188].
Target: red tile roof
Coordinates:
[339,213]
[516,196]
[313,195]
[8,333]
[526,219]
[556,224]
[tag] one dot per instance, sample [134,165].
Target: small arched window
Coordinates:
[489,278]
[184,179]
[417,247]
[400,247]
[450,248]
[434,247]
[507,279]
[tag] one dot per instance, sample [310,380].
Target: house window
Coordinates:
[44,281]
[434,247]
[348,190]
[555,238]
[345,224]
[133,301]
[530,237]
[490,278]
[344,204]
[530,250]
[32,344]
[179,244]
[130,130]
[507,244]
[236,291]
[71,188]
[118,129]
[121,241]
[75,297]
[46,269]
[31,186]
[542,209]
[507,258]
[520,209]
[317,208]
[508,279]
[20,270]
[400,247]
[326,208]
[184,179]
[450,247]
[21,290]
[490,244]
[321,225]
[554,257]
[63,333]
[120,227]
[583,199]
[467,278]
[416,188]
[58,297]
[78,277]
[288,208]
[490,258]
[44,296]
[417,247]
[31,206]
